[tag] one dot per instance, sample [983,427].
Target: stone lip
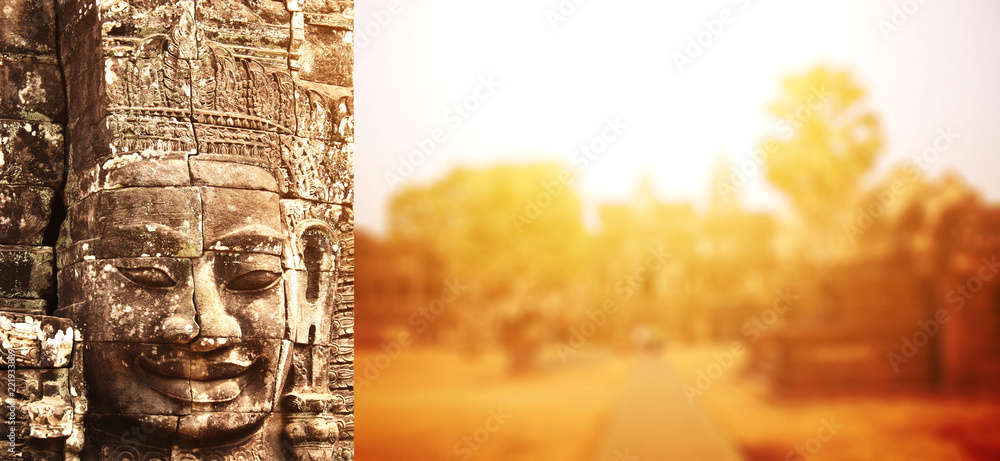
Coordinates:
[197,378]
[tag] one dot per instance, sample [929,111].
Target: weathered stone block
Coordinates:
[340,7]
[28,27]
[24,306]
[328,51]
[21,427]
[28,272]
[35,341]
[24,214]
[85,128]
[30,383]
[52,416]
[136,222]
[231,175]
[155,17]
[80,38]
[42,407]
[242,220]
[259,30]
[86,96]
[134,437]
[123,150]
[32,90]
[32,153]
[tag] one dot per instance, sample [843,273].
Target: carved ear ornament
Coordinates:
[313,246]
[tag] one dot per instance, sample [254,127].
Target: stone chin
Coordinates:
[203,429]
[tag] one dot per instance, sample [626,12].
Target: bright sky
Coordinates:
[556,87]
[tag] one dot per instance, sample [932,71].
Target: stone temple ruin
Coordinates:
[176,229]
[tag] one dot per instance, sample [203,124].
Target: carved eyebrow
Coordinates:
[255,238]
[167,235]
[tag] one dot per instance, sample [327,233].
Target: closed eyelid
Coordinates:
[149,277]
[255,280]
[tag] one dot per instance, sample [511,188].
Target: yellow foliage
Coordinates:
[828,139]
[499,225]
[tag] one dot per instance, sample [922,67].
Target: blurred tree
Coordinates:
[513,233]
[499,223]
[828,140]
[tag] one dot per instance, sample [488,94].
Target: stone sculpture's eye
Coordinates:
[253,281]
[149,277]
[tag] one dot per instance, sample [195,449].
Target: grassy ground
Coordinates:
[427,400]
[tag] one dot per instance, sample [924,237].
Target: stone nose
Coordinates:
[216,328]
[180,329]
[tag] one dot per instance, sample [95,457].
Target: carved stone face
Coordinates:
[192,326]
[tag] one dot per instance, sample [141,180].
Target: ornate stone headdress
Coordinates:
[176,96]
